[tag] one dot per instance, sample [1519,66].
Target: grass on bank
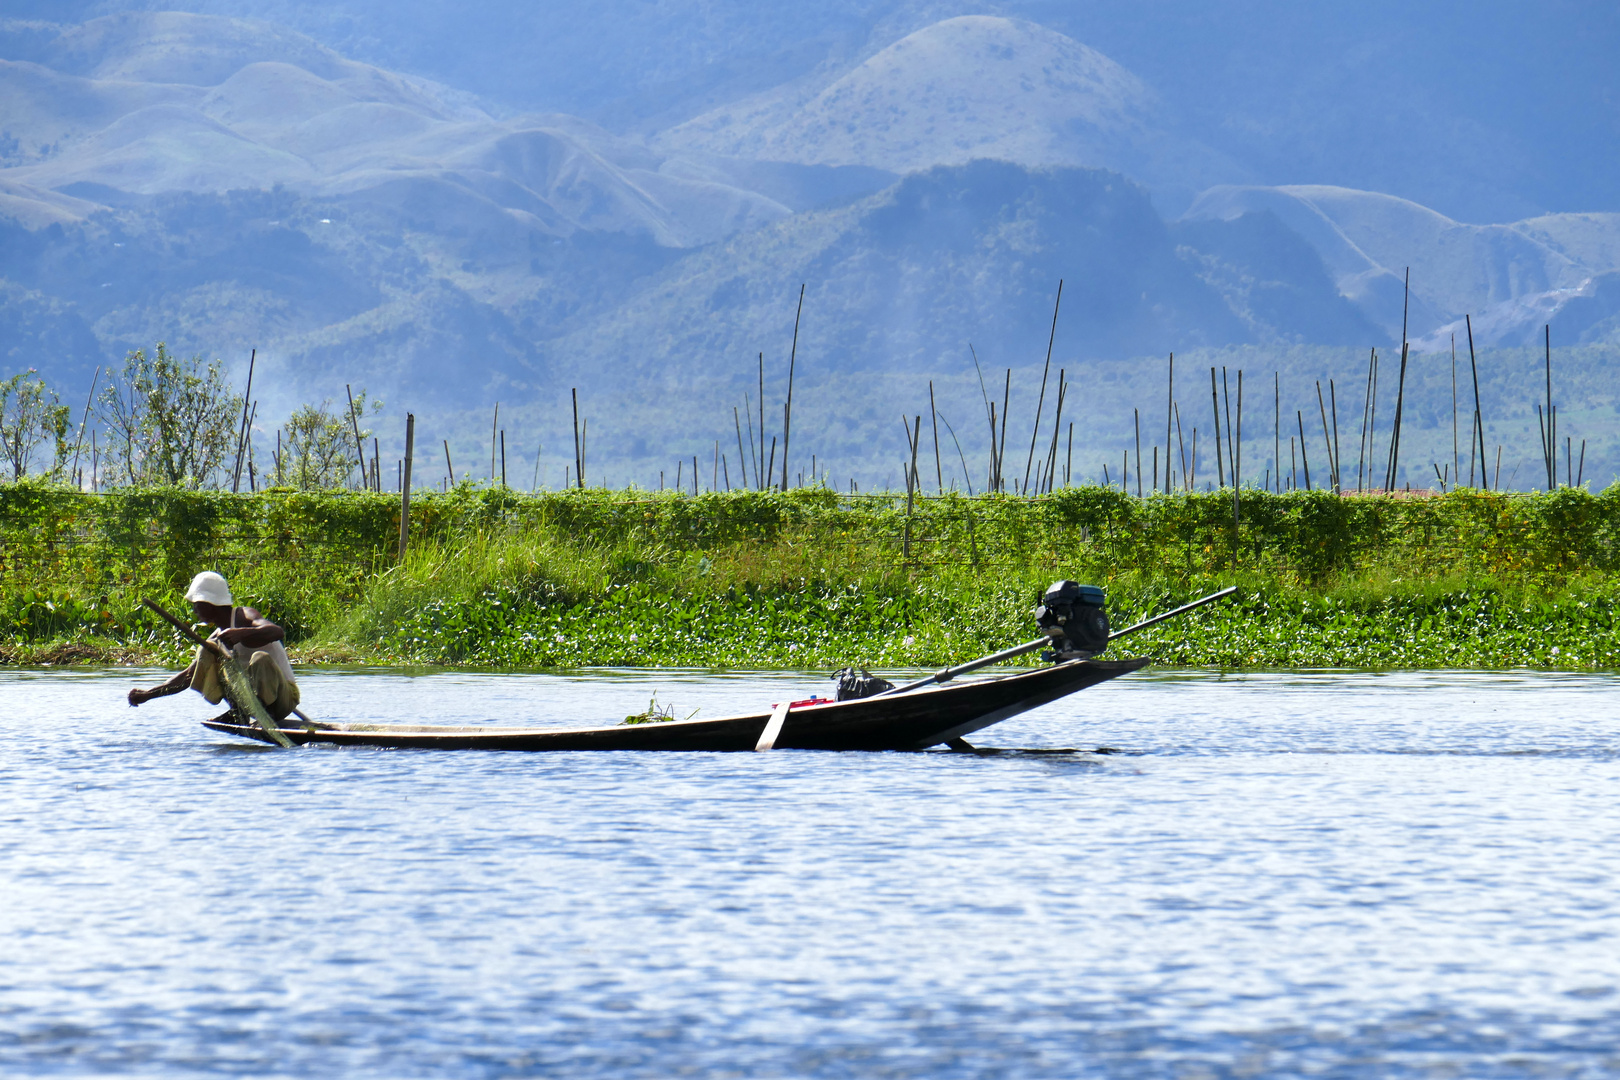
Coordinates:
[809,592]
[526,602]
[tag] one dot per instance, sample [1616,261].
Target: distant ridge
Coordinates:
[224,185]
[1511,278]
[976,86]
[152,103]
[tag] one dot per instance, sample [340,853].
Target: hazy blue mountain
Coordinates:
[147,104]
[962,89]
[974,253]
[455,206]
[1488,112]
[1511,278]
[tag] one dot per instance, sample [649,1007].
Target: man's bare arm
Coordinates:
[179,682]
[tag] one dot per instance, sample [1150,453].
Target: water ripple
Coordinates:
[1326,874]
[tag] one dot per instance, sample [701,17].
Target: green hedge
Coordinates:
[72,562]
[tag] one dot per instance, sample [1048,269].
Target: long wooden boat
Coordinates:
[900,721]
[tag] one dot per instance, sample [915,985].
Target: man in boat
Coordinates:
[254,640]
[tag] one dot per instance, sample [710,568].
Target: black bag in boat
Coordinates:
[854,684]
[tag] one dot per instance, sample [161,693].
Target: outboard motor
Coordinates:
[1074,617]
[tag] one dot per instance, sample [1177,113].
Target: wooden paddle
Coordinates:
[238,688]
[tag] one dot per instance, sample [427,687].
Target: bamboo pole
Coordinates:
[1169,411]
[751,461]
[1472,440]
[1237,455]
[1226,403]
[1136,417]
[1479,416]
[1057,429]
[1215,407]
[1181,443]
[1327,438]
[405,486]
[1338,462]
[1303,456]
[991,486]
[933,424]
[742,461]
[579,465]
[1457,457]
[1035,431]
[967,475]
[247,448]
[242,449]
[1541,432]
[1552,426]
[913,437]
[449,468]
[241,435]
[1366,402]
[1393,475]
[1001,451]
[84,418]
[989,412]
[494,423]
[787,411]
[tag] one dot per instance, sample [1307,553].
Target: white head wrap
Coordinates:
[210,588]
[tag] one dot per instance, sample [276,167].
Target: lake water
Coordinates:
[1338,875]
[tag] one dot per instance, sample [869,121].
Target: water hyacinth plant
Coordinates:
[810,579]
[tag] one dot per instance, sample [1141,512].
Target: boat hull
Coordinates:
[913,721]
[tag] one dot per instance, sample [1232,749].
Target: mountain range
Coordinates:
[226,183]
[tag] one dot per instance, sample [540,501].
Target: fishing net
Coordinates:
[239,689]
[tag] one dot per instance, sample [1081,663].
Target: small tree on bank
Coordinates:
[321,452]
[30,414]
[169,421]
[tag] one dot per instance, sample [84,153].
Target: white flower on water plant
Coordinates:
[910,641]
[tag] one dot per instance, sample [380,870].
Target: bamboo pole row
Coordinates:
[759,470]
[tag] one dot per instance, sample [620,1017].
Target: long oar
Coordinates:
[947,674]
[237,685]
